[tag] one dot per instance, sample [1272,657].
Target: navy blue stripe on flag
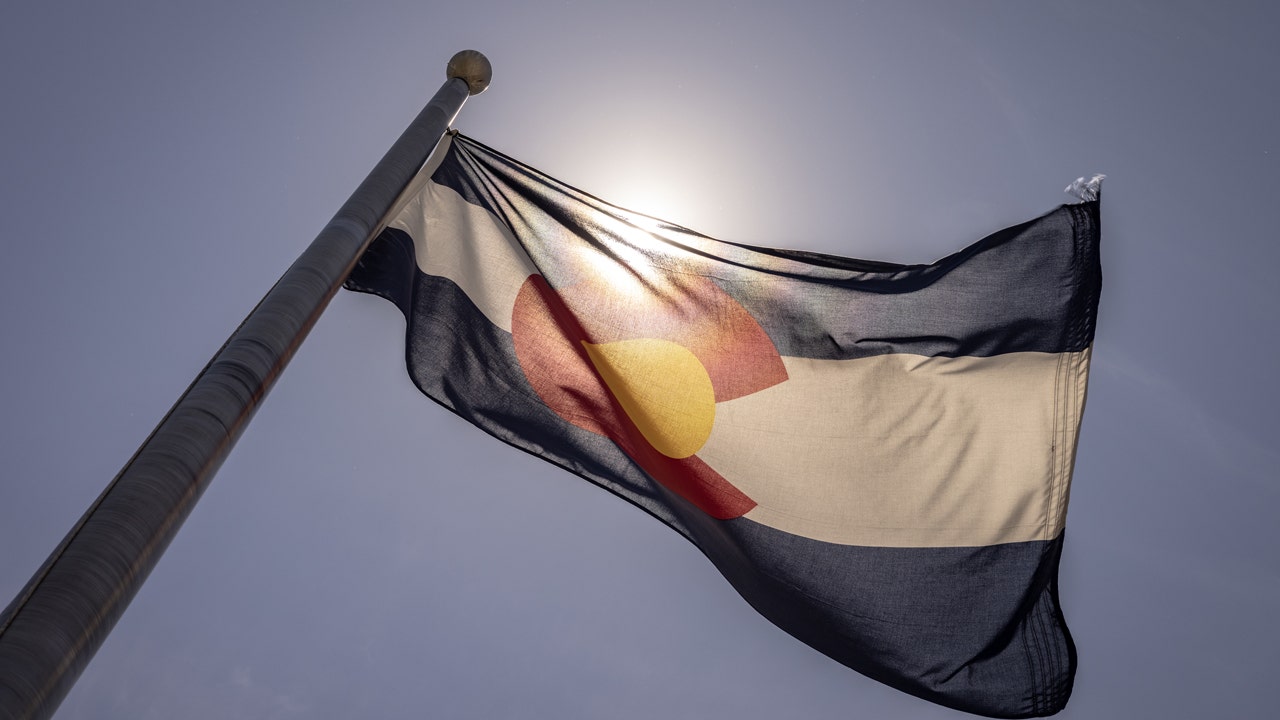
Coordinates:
[1033,287]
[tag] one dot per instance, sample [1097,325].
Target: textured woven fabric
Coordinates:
[877,457]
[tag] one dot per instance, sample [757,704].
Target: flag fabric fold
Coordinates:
[876,456]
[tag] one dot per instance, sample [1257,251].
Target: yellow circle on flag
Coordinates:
[663,388]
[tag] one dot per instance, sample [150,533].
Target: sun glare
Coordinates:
[621,273]
[652,192]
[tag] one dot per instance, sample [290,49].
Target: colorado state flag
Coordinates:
[877,456]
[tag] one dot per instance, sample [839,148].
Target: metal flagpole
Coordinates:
[53,627]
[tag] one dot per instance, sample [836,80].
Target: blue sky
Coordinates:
[363,553]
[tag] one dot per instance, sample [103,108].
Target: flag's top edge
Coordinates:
[1088,191]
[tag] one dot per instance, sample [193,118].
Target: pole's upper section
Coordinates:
[54,626]
[472,67]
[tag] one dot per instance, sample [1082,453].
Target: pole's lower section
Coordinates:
[54,626]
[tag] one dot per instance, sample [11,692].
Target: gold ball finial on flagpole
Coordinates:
[472,67]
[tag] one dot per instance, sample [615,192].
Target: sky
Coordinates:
[364,553]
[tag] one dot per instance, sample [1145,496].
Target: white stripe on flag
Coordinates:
[908,451]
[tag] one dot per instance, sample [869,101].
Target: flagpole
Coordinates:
[52,629]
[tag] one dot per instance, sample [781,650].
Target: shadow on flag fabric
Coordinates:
[877,456]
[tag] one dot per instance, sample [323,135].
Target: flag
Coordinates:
[876,456]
